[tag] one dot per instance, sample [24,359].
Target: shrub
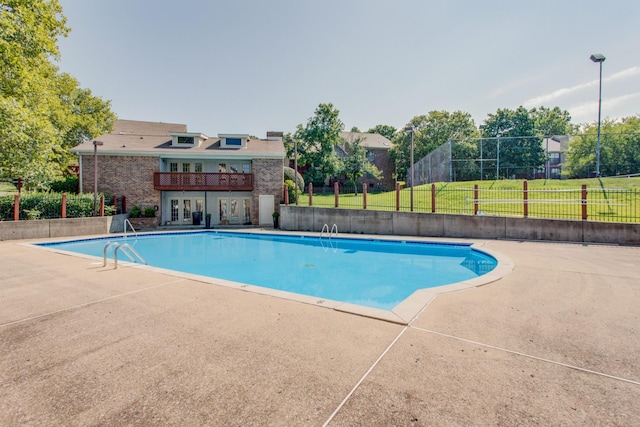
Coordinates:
[135,212]
[291,189]
[149,212]
[67,185]
[39,205]
[290,174]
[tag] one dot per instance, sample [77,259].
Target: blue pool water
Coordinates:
[373,273]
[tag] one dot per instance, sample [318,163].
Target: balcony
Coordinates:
[205,181]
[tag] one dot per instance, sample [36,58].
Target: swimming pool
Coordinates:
[374,273]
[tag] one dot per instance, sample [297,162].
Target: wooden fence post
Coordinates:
[286,194]
[124,204]
[397,196]
[64,205]
[525,194]
[102,205]
[433,198]
[336,192]
[16,207]
[364,195]
[584,201]
[310,194]
[475,199]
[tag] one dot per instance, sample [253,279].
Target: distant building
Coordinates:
[556,148]
[377,147]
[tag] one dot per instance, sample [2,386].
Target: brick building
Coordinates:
[377,147]
[185,175]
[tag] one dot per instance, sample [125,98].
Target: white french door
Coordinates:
[182,209]
[234,210]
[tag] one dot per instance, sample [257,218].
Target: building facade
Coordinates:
[183,176]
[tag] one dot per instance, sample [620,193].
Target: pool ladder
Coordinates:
[135,233]
[126,249]
[328,234]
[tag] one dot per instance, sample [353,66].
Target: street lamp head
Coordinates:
[408,128]
[96,143]
[598,57]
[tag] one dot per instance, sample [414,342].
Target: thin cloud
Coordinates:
[512,85]
[588,111]
[544,99]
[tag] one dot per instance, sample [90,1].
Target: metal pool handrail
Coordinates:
[126,221]
[329,234]
[127,249]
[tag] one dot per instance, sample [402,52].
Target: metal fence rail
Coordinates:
[595,203]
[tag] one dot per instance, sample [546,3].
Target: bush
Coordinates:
[149,212]
[135,212]
[290,174]
[39,205]
[67,185]
[291,189]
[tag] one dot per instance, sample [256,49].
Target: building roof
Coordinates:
[557,143]
[150,139]
[368,140]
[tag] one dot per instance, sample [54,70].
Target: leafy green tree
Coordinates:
[356,164]
[42,112]
[551,121]
[514,140]
[316,142]
[429,132]
[619,149]
[385,130]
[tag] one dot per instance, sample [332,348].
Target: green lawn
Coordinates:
[608,199]
[7,188]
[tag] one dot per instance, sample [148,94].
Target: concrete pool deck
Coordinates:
[555,342]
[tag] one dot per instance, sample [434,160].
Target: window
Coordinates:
[371,155]
[185,140]
[186,167]
[246,168]
[173,167]
[554,158]
[198,167]
[234,141]
[222,167]
[233,168]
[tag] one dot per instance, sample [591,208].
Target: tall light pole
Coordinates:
[95,174]
[295,167]
[481,127]
[410,130]
[599,58]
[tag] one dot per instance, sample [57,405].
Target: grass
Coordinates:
[608,199]
[7,187]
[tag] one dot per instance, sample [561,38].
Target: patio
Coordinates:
[556,342]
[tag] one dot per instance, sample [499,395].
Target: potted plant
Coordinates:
[275,216]
[207,220]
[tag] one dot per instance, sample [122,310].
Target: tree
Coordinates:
[356,164]
[514,140]
[619,152]
[429,132]
[42,112]
[316,142]
[384,130]
[550,122]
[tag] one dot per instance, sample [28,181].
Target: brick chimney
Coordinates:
[275,136]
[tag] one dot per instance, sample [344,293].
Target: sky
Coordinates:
[252,66]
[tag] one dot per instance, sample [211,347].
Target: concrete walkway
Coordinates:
[555,342]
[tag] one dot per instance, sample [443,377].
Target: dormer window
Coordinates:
[233,140]
[186,139]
